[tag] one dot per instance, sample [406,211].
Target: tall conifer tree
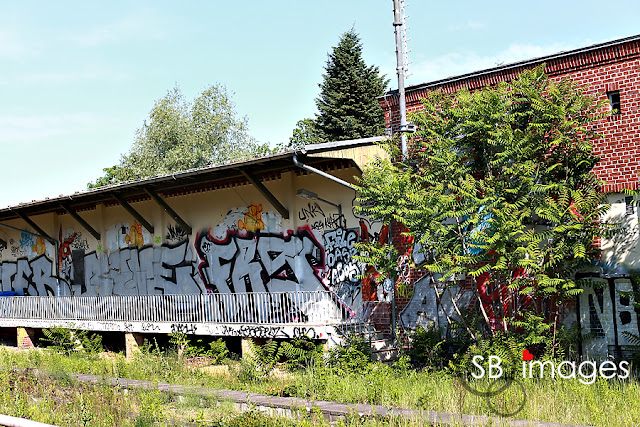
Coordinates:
[347,105]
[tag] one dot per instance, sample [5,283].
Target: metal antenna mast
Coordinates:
[401,68]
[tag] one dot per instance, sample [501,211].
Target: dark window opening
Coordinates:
[629,205]
[614,101]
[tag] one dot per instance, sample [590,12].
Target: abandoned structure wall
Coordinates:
[611,72]
[239,243]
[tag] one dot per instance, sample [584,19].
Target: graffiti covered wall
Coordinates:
[608,317]
[248,249]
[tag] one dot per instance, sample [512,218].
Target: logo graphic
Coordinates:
[493,380]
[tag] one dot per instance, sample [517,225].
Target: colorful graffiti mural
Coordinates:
[260,262]
[343,270]
[247,251]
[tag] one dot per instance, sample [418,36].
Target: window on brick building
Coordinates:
[614,101]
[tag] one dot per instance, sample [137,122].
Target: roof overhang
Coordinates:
[320,156]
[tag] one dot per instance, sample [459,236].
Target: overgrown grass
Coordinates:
[606,402]
[60,401]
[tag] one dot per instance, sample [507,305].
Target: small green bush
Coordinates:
[68,340]
[217,351]
[299,353]
[427,348]
[354,356]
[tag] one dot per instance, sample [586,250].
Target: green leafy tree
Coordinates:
[180,135]
[304,133]
[347,104]
[497,189]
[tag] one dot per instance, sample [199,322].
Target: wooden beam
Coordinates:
[160,201]
[81,221]
[266,193]
[23,231]
[35,227]
[133,212]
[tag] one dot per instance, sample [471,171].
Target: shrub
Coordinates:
[354,356]
[427,348]
[299,353]
[68,340]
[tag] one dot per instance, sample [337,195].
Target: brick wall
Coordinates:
[613,66]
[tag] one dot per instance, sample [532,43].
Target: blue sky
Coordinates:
[78,78]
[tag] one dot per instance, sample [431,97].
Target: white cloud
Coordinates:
[457,63]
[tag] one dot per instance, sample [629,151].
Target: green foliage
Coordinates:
[217,351]
[180,342]
[498,185]
[56,399]
[266,356]
[182,345]
[294,354]
[299,353]
[180,135]
[304,133]
[66,341]
[427,348]
[353,356]
[347,104]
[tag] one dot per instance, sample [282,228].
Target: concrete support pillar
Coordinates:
[246,346]
[26,337]
[133,341]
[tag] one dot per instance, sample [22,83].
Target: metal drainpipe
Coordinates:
[393,296]
[301,165]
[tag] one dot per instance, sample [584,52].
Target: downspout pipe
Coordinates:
[297,162]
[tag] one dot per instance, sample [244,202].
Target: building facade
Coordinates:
[610,71]
[274,236]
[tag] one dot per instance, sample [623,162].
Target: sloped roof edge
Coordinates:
[272,162]
[524,63]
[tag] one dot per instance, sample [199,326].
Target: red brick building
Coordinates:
[610,70]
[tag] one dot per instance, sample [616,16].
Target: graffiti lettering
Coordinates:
[146,327]
[175,233]
[606,311]
[250,331]
[424,310]
[139,271]
[260,262]
[343,269]
[330,222]
[144,271]
[109,326]
[31,277]
[312,211]
[185,328]
[304,333]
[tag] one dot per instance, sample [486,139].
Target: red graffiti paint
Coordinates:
[65,248]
